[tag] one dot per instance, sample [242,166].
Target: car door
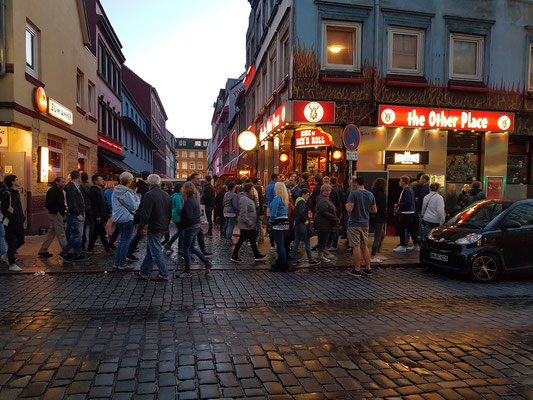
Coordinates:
[518,242]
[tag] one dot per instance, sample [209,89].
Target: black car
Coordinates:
[485,239]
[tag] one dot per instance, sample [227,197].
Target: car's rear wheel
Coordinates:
[485,268]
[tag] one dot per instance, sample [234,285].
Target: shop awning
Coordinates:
[121,165]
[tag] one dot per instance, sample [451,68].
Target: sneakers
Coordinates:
[15,268]
[400,249]
[375,259]
[137,274]
[80,257]
[160,278]
[67,257]
[207,253]
[349,249]
[236,259]
[260,257]
[4,258]
[367,271]
[355,274]
[125,267]
[382,258]
[414,247]
[132,257]
[325,260]
[314,262]
[208,267]
[45,254]
[296,262]
[185,275]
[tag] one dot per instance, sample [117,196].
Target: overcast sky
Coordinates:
[186,50]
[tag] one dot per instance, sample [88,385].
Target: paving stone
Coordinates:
[20,382]
[55,393]
[101,392]
[33,389]
[209,391]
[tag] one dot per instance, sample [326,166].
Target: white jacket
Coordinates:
[433,208]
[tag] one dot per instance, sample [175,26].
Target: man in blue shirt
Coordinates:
[406,210]
[270,194]
[360,204]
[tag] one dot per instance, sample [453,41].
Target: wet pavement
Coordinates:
[311,334]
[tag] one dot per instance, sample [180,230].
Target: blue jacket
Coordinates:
[124,197]
[277,209]
[270,194]
[407,202]
[177,205]
[475,195]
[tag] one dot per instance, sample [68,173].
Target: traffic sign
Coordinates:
[351,155]
[351,137]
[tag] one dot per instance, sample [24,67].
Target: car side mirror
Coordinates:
[510,224]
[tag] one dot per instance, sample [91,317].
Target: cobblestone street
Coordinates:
[401,333]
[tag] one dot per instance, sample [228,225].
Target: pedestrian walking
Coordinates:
[326,221]
[55,204]
[247,220]
[142,188]
[302,228]
[316,192]
[88,223]
[433,210]
[270,194]
[379,219]
[360,204]
[13,220]
[190,223]
[219,209]
[155,218]
[231,210]
[208,199]
[476,193]
[260,209]
[405,209]
[75,220]
[176,201]
[125,204]
[99,213]
[3,245]
[195,180]
[279,220]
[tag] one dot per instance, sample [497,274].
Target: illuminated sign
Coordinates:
[313,111]
[44,158]
[273,122]
[41,102]
[110,144]
[60,112]
[311,137]
[417,117]
[247,140]
[406,157]
[250,74]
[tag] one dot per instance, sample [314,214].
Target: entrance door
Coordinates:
[14,163]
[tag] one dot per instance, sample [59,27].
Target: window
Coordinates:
[462,163]
[233,141]
[192,154]
[204,143]
[523,214]
[184,165]
[519,160]
[405,51]
[82,158]
[200,154]
[197,143]
[466,57]
[286,56]
[55,160]
[32,51]
[200,166]
[273,73]
[90,98]
[341,45]
[531,67]
[79,89]
[184,154]
[192,165]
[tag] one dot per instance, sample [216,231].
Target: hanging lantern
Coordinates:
[283,157]
[337,155]
[247,140]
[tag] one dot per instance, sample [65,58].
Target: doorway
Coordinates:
[315,160]
[393,195]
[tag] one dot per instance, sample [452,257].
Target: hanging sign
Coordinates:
[310,138]
[433,118]
[313,111]
[273,122]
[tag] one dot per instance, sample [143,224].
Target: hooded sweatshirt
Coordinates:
[475,195]
[177,205]
[125,202]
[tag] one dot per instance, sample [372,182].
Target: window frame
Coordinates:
[401,30]
[192,165]
[79,89]
[530,70]
[34,32]
[480,41]
[91,97]
[356,61]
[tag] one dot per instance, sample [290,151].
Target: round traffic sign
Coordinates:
[351,137]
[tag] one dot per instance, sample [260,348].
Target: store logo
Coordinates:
[388,116]
[41,102]
[407,158]
[313,112]
[504,122]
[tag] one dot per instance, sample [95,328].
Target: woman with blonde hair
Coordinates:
[279,220]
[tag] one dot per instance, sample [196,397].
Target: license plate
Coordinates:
[439,257]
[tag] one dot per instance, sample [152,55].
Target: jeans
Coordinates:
[247,235]
[73,232]
[57,229]
[113,236]
[189,236]
[409,223]
[154,253]
[379,235]
[97,231]
[230,226]
[209,216]
[300,235]
[177,236]
[125,229]
[14,239]
[259,228]
[88,223]
[3,246]
[278,237]
[323,239]
[134,243]
[222,222]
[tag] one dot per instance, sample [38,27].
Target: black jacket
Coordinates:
[336,198]
[99,208]
[381,204]
[219,203]
[142,188]
[190,213]
[313,200]
[156,211]
[11,197]
[75,202]
[208,196]
[55,201]
[85,189]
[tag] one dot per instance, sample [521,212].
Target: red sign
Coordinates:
[109,144]
[41,102]
[314,112]
[494,185]
[311,138]
[273,122]
[416,117]
[250,75]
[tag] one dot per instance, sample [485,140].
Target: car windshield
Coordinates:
[478,215]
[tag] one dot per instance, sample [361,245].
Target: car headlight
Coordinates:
[469,239]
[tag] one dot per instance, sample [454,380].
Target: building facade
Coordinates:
[170,154]
[191,157]
[48,105]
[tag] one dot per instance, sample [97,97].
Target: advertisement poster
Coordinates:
[495,187]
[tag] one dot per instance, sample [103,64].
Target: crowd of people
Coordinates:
[294,210]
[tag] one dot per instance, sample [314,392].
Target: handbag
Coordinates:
[310,230]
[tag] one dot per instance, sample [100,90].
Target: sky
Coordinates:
[186,49]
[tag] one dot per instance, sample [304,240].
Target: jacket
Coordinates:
[277,210]
[208,196]
[177,204]
[142,188]
[295,193]
[301,211]
[219,204]
[407,201]
[381,205]
[157,211]
[247,213]
[55,201]
[336,198]
[462,200]
[475,195]
[190,213]
[270,193]
[315,194]
[433,209]
[75,201]
[423,191]
[325,216]
[124,197]
[11,201]
[231,204]
[99,208]
[85,189]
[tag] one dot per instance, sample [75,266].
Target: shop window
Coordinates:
[518,161]
[463,158]
[32,51]
[531,67]
[82,158]
[405,51]
[466,57]
[192,165]
[55,157]
[79,89]
[341,45]
[90,98]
